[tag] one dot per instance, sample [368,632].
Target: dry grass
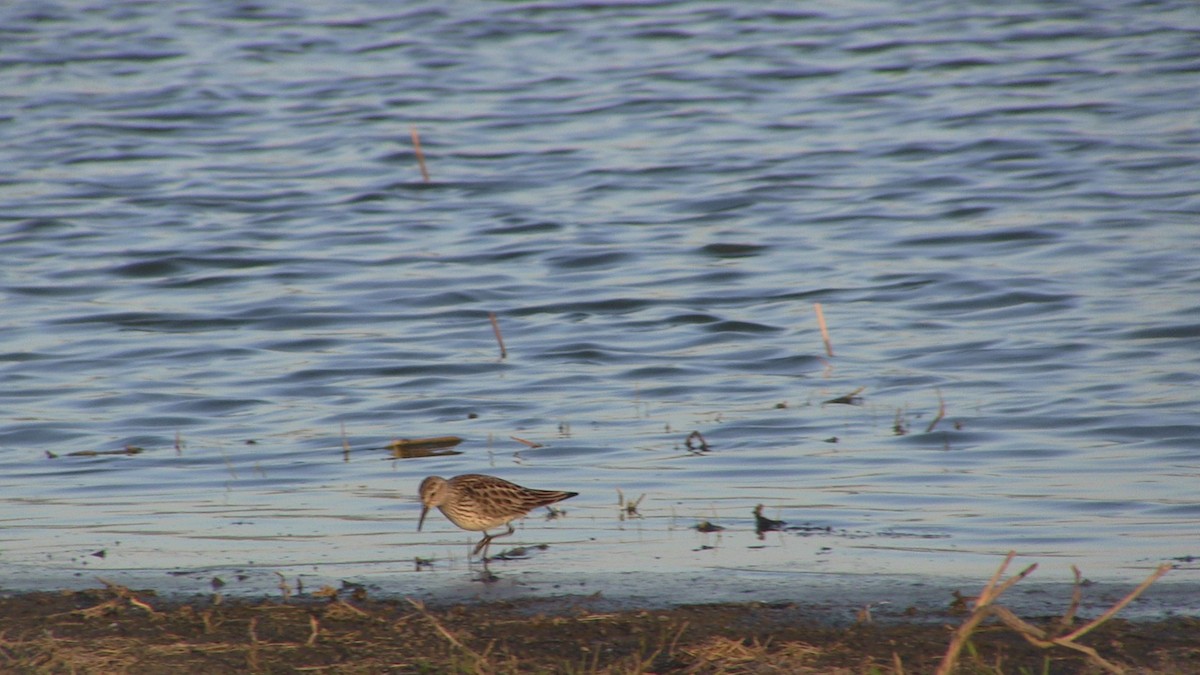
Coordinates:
[738,657]
[115,630]
[1056,635]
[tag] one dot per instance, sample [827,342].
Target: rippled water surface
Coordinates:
[218,248]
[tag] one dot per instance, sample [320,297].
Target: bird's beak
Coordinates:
[424,510]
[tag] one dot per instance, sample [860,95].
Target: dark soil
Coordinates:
[115,630]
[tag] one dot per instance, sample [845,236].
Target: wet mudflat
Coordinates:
[117,630]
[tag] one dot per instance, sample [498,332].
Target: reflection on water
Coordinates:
[220,252]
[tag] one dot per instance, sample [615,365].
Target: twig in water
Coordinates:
[852,398]
[499,337]
[416,139]
[629,508]
[527,443]
[407,448]
[127,450]
[941,412]
[824,329]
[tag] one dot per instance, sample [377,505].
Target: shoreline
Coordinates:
[839,595]
[509,617]
[114,629]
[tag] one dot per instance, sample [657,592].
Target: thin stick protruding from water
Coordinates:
[941,411]
[499,337]
[824,329]
[416,139]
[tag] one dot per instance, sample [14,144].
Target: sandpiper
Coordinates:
[479,503]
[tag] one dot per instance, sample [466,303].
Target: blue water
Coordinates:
[218,248]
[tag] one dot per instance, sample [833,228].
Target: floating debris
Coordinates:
[629,509]
[705,526]
[764,524]
[127,450]
[809,529]
[526,442]
[695,443]
[852,398]
[434,446]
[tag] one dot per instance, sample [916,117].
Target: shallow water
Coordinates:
[219,249]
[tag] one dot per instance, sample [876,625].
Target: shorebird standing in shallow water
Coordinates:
[479,503]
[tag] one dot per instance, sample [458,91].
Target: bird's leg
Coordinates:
[487,539]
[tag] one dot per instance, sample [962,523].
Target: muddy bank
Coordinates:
[117,630]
